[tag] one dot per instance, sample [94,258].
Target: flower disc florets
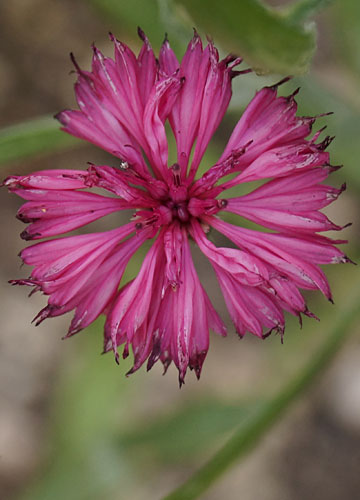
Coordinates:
[165,312]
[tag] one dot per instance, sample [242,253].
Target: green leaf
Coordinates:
[39,136]
[259,34]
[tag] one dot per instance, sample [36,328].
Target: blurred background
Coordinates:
[71,424]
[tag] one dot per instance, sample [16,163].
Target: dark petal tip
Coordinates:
[25,235]
[328,113]
[309,314]
[347,260]
[196,34]
[281,82]
[267,334]
[166,363]
[72,331]
[43,314]
[125,353]
[181,380]
[300,320]
[141,34]
[73,60]
[333,168]
[235,73]
[291,96]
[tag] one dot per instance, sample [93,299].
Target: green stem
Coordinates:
[255,427]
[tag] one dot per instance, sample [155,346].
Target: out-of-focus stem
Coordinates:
[255,427]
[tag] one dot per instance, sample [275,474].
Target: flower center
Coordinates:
[179,202]
[179,210]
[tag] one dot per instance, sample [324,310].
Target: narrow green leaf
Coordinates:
[36,137]
[260,34]
[256,426]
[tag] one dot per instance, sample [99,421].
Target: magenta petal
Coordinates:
[308,222]
[280,161]
[186,112]
[48,179]
[268,121]
[52,257]
[290,203]
[246,268]
[167,59]
[110,135]
[128,313]
[102,286]
[215,100]
[250,308]
[116,85]
[157,109]
[305,274]
[145,322]
[146,73]
[298,192]
[72,271]
[55,212]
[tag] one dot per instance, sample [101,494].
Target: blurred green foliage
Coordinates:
[264,37]
[193,429]
[346,15]
[33,138]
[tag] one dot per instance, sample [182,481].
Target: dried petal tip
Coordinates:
[46,312]
[142,35]
[181,380]
[281,82]
[347,260]
[75,63]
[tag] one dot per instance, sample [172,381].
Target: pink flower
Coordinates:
[165,312]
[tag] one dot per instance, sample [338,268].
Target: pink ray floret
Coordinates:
[165,313]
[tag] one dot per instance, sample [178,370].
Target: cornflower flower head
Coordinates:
[165,312]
